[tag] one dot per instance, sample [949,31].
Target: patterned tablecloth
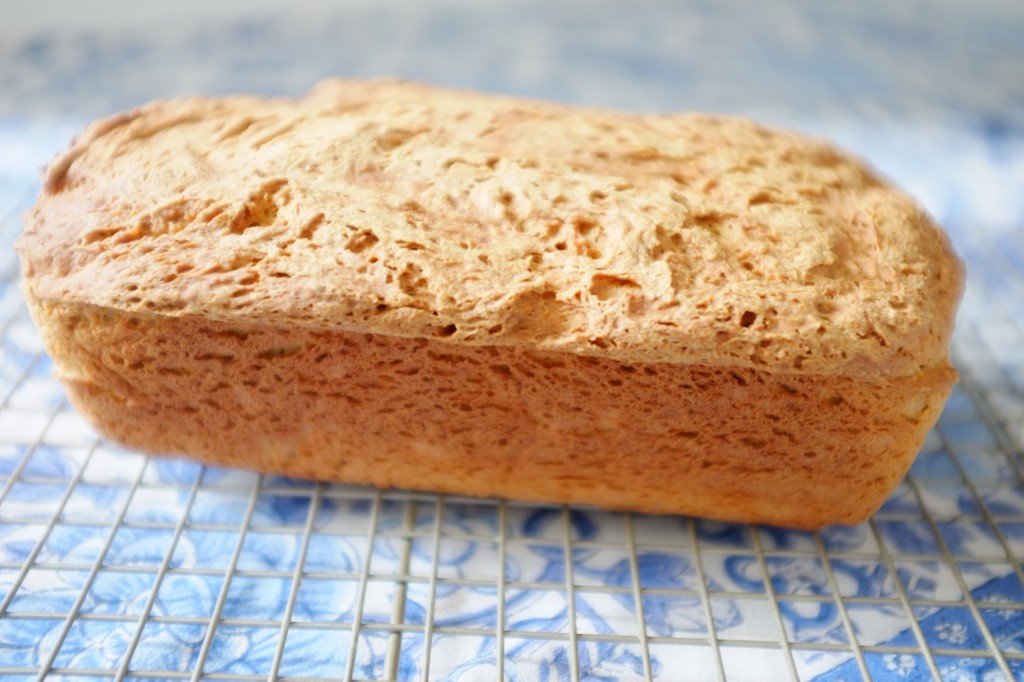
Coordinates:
[116,566]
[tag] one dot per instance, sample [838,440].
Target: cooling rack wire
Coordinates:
[115,566]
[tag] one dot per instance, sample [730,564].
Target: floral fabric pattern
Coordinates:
[114,562]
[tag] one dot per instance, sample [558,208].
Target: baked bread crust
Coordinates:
[399,285]
[398,209]
[737,444]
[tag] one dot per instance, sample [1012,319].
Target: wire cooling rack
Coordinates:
[116,566]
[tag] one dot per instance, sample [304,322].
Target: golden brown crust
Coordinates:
[402,210]
[737,444]
[391,284]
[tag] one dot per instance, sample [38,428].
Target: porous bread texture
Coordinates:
[737,444]
[392,284]
[400,209]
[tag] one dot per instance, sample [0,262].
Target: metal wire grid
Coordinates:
[420,525]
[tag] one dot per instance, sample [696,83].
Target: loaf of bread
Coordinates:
[397,285]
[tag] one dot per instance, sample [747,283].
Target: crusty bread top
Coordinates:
[401,209]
